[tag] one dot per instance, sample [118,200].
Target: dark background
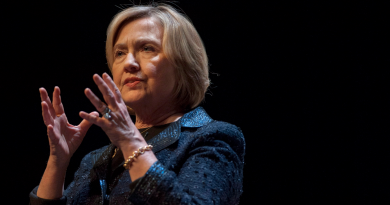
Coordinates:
[306,83]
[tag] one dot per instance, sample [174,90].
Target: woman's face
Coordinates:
[140,70]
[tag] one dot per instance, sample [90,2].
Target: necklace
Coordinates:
[116,149]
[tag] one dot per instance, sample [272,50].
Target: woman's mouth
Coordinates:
[132,83]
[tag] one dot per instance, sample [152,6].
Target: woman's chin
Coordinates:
[133,102]
[131,97]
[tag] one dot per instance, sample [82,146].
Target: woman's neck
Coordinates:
[158,117]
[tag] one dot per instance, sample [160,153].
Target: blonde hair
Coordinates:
[181,44]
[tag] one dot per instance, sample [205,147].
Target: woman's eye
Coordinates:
[147,48]
[118,54]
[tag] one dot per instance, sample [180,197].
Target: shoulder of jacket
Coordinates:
[219,130]
[222,131]
[224,128]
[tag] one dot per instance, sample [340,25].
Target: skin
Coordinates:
[138,53]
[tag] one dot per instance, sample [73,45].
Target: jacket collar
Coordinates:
[195,118]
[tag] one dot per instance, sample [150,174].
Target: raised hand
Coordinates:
[119,128]
[64,138]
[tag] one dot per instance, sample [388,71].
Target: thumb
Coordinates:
[85,124]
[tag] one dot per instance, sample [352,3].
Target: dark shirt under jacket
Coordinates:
[200,161]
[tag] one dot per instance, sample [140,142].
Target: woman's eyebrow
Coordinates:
[119,45]
[138,42]
[143,40]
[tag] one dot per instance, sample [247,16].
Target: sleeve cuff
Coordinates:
[148,184]
[35,200]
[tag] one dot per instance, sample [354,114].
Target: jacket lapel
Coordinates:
[166,137]
[195,118]
[99,172]
[101,161]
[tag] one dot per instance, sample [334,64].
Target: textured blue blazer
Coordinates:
[200,161]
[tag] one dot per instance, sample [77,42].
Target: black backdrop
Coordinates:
[305,82]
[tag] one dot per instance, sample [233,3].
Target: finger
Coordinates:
[99,105]
[53,140]
[45,98]
[47,117]
[94,119]
[85,124]
[57,104]
[107,94]
[113,88]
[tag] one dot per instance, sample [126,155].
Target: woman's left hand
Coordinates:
[119,127]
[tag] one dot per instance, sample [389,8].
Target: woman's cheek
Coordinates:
[118,85]
[117,80]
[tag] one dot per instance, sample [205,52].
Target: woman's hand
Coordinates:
[119,128]
[64,138]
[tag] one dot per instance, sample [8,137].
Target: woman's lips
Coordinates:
[132,81]
[132,84]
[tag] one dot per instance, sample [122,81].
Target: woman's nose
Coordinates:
[131,64]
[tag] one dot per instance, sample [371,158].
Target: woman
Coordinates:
[174,153]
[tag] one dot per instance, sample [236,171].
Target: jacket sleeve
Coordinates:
[80,177]
[35,200]
[211,174]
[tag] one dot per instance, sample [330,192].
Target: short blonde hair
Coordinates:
[181,44]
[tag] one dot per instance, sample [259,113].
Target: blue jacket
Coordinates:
[200,161]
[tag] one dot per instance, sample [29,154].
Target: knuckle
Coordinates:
[101,106]
[92,118]
[110,95]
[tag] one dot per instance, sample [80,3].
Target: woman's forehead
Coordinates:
[141,28]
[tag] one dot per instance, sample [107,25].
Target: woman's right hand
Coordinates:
[64,138]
